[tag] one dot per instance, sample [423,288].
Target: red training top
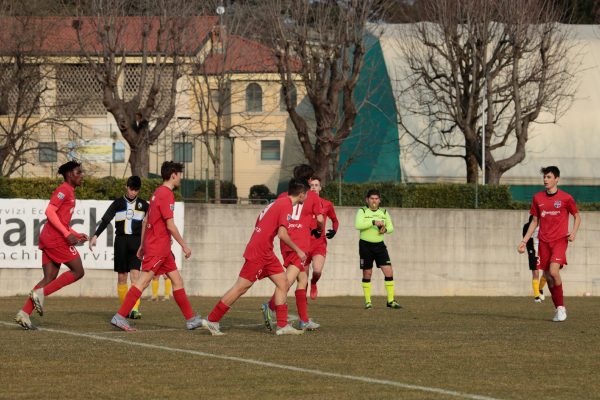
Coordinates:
[63,198]
[276,214]
[157,238]
[553,211]
[302,217]
[328,211]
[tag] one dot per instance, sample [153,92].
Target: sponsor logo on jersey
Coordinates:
[544,213]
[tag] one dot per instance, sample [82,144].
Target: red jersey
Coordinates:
[552,211]
[63,198]
[157,239]
[328,211]
[302,217]
[276,214]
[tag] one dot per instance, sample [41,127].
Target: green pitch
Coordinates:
[434,348]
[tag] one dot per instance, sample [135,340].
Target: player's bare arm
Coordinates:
[573,233]
[283,235]
[530,230]
[140,252]
[177,236]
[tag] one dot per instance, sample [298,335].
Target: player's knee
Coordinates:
[78,274]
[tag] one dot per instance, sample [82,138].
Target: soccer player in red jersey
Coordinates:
[261,261]
[318,246]
[300,232]
[57,243]
[155,251]
[551,208]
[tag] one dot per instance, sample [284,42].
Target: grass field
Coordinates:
[434,348]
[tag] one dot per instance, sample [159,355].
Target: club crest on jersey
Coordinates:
[289,217]
[60,195]
[557,204]
[172,207]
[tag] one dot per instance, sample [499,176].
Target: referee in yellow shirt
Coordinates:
[373,222]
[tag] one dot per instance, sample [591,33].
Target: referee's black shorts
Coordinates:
[126,247]
[370,252]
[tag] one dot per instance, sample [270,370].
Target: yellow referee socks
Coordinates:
[367,291]
[122,291]
[154,288]
[536,287]
[389,288]
[168,287]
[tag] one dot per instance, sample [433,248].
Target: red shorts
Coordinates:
[59,254]
[290,257]
[552,252]
[317,247]
[159,265]
[255,270]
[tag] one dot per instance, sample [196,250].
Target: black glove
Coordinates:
[330,234]
[316,233]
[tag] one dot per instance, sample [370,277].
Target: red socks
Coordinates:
[184,303]
[28,307]
[132,296]
[557,295]
[64,279]
[302,305]
[272,303]
[282,315]
[315,278]
[217,313]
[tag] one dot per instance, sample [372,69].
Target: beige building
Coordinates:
[258,144]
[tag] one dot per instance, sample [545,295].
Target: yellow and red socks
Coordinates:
[122,289]
[281,311]
[155,284]
[184,303]
[168,286]
[536,288]
[542,282]
[131,298]
[302,304]
[218,312]
[557,295]
[64,279]
[389,288]
[366,285]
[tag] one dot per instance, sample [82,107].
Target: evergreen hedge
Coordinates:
[107,188]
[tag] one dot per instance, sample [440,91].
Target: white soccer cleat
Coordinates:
[561,314]
[193,323]
[309,326]
[288,330]
[122,323]
[22,319]
[37,297]
[213,327]
[537,300]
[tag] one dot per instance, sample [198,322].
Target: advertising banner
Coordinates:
[21,222]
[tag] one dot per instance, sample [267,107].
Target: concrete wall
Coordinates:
[435,252]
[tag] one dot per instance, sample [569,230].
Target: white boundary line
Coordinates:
[273,365]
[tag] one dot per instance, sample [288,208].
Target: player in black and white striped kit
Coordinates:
[128,212]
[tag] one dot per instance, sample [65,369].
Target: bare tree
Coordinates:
[138,61]
[213,88]
[483,69]
[27,107]
[321,44]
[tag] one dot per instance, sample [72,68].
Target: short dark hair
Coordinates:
[134,182]
[303,172]
[315,178]
[296,187]
[373,192]
[168,168]
[551,170]
[67,167]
